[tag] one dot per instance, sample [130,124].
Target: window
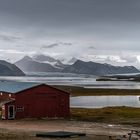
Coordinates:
[20,109]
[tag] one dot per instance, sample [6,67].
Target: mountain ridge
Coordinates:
[82,67]
[79,67]
[8,69]
[28,64]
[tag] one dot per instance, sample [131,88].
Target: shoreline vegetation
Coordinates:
[133,78]
[80,91]
[110,115]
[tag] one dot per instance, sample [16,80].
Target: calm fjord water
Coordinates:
[86,82]
[104,101]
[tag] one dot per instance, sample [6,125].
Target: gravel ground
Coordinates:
[26,129]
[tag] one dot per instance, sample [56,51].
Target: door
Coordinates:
[11,112]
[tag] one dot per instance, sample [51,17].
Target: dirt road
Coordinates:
[31,127]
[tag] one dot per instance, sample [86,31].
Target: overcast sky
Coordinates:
[97,30]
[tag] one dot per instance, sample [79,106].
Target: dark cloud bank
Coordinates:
[89,29]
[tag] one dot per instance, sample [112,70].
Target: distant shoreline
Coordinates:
[80,91]
[133,78]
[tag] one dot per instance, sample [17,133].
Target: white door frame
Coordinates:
[9,116]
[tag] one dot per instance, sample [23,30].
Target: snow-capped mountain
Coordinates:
[27,64]
[49,64]
[49,60]
[72,60]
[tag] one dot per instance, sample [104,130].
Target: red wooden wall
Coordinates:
[42,101]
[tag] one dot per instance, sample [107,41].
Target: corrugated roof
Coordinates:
[13,87]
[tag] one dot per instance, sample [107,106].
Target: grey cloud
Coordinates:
[70,13]
[65,43]
[53,45]
[91,47]
[74,19]
[108,59]
[119,59]
[9,38]
[129,59]
[110,25]
[50,46]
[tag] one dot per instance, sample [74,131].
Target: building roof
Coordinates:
[6,102]
[14,87]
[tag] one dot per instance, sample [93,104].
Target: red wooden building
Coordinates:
[34,101]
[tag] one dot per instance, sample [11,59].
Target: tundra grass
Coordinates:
[9,135]
[115,115]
